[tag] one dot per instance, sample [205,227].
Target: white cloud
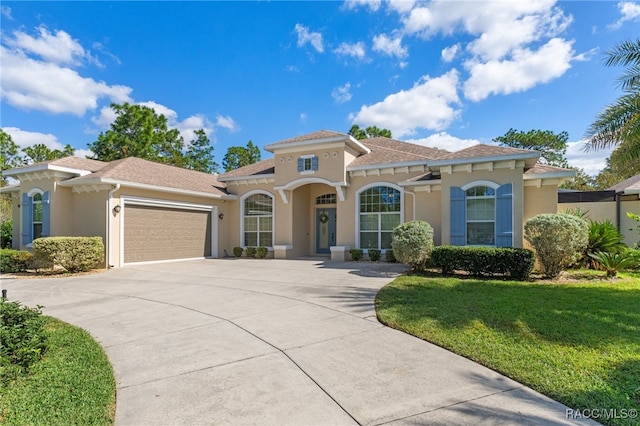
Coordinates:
[227,122]
[448,54]
[51,84]
[160,109]
[523,71]
[591,162]
[373,5]
[429,104]
[6,12]
[354,50]
[303,117]
[389,46]
[313,38]
[401,6]
[342,94]
[443,140]
[629,10]
[58,48]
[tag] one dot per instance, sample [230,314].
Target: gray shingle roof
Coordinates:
[264,167]
[137,170]
[633,183]
[322,134]
[71,163]
[392,151]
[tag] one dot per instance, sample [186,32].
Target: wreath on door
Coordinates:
[324,217]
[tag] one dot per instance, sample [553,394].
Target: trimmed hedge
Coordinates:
[75,254]
[237,251]
[374,254]
[389,256]
[517,263]
[262,252]
[356,254]
[15,260]
[251,252]
[412,243]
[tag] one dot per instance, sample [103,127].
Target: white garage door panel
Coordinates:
[160,233]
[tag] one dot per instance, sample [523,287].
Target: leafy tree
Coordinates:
[10,157]
[40,152]
[619,123]
[139,132]
[618,168]
[199,155]
[581,181]
[369,132]
[240,156]
[552,146]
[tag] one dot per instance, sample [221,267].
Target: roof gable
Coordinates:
[264,167]
[386,151]
[631,184]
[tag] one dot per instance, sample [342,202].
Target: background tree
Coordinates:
[240,156]
[581,181]
[552,146]
[619,123]
[10,155]
[199,155]
[369,132]
[40,152]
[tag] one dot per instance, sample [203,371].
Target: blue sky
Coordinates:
[440,73]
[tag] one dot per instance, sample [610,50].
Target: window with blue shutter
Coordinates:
[458,217]
[36,216]
[300,164]
[307,164]
[504,216]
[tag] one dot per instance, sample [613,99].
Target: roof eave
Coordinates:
[550,175]
[44,167]
[349,140]
[136,185]
[493,158]
[245,177]
[389,165]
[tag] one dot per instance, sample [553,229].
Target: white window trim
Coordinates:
[305,157]
[357,203]
[30,194]
[273,215]
[489,184]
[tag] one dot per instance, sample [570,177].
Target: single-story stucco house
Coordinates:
[321,193]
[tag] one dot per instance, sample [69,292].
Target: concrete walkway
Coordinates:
[273,342]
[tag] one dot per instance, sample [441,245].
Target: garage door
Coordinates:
[163,233]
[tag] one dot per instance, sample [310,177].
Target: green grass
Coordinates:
[73,384]
[578,342]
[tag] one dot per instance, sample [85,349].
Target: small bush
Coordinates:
[389,256]
[412,243]
[251,252]
[22,339]
[559,240]
[6,234]
[356,254]
[262,252]
[604,237]
[15,260]
[516,263]
[237,251]
[374,255]
[75,254]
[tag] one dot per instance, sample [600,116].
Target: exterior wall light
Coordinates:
[117,209]
[221,216]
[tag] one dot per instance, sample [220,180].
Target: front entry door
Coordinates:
[325,229]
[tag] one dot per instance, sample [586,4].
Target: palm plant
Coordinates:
[619,123]
[614,262]
[604,237]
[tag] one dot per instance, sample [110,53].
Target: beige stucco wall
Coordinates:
[603,210]
[428,207]
[331,161]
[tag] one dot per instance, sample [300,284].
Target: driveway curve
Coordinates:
[273,342]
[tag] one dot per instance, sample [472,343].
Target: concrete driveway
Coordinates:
[281,342]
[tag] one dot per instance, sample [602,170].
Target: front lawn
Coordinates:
[577,342]
[73,384]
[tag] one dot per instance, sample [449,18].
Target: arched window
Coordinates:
[481,215]
[379,212]
[326,199]
[36,209]
[257,212]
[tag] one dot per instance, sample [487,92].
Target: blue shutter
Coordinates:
[504,216]
[314,163]
[46,214]
[27,222]
[458,217]
[300,164]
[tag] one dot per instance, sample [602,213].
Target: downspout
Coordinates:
[413,194]
[110,196]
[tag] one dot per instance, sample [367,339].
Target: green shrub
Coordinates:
[516,263]
[559,240]
[22,338]
[75,254]
[356,254]
[251,252]
[389,256]
[15,260]
[604,237]
[614,262]
[412,243]
[237,251]
[6,234]
[262,252]
[634,254]
[374,255]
